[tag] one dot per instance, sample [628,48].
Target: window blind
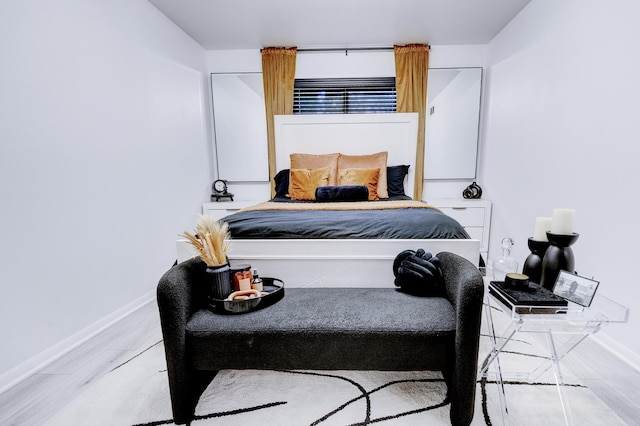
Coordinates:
[344,96]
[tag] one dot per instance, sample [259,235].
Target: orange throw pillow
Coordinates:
[303,182]
[371,161]
[317,161]
[366,177]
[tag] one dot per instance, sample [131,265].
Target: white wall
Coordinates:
[336,64]
[562,130]
[104,159]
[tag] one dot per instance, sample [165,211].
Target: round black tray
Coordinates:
[273,286]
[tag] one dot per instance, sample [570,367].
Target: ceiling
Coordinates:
[308,24]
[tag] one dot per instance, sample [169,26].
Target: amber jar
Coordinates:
[242,277]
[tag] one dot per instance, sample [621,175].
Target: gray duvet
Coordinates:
[401,223]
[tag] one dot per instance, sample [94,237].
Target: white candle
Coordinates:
[543,224]
[562,221]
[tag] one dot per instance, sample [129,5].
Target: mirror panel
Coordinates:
[240,127]
[453,114]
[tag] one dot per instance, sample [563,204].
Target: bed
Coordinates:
[342,244]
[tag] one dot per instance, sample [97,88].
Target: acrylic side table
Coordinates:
[574,322]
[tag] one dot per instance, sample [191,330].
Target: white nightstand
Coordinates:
[473,215]
[219,209]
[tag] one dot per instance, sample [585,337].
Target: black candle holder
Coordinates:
[533,264]
[558,257]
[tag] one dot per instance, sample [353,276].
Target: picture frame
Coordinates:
[575,288]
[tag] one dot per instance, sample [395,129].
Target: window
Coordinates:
[344,95]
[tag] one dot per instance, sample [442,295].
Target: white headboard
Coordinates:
[353,134]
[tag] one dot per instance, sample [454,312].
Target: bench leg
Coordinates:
[458,404]
[184,403]
[447,374]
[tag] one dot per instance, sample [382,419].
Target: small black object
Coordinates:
[533,263]
[472,191]
[342,193]
[418,272]
[558,257]
[219,186]
[517,281]
[399,258]
[219,190]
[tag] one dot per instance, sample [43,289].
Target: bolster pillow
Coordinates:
[342,193]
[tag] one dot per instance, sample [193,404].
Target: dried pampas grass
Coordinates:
[211,240]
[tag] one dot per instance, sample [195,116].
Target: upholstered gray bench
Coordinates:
[325,329]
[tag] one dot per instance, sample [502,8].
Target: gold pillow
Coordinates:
[303,182]
[366,177]
[317,161]
[377,160]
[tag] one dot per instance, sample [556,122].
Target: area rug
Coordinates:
[137,393]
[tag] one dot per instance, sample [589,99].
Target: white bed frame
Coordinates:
[338,262]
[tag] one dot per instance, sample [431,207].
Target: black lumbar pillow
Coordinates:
[418,272]
[342,193]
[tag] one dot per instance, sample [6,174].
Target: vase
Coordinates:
[219,281]
[505,264]
[533,263]
[558,257]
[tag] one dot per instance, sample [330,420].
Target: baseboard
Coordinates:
[30,367]
[618,349]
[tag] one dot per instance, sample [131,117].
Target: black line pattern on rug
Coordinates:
[405,413]
[544,357]
[483,391]
[521,383]
[215,415]
[525,354]
[485,406]
[489,354]
[366,394]
[514,339]
[362,390]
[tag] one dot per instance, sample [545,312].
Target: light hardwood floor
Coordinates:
[613,380]
[38,398]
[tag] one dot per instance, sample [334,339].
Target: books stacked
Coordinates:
[529,299]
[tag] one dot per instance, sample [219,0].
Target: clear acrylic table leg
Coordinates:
[493,357]
[562,329]
[570,345]
[557,372]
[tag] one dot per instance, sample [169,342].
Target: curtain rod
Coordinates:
[346,49]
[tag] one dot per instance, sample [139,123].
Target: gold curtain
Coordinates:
[278,73]
[412,67]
